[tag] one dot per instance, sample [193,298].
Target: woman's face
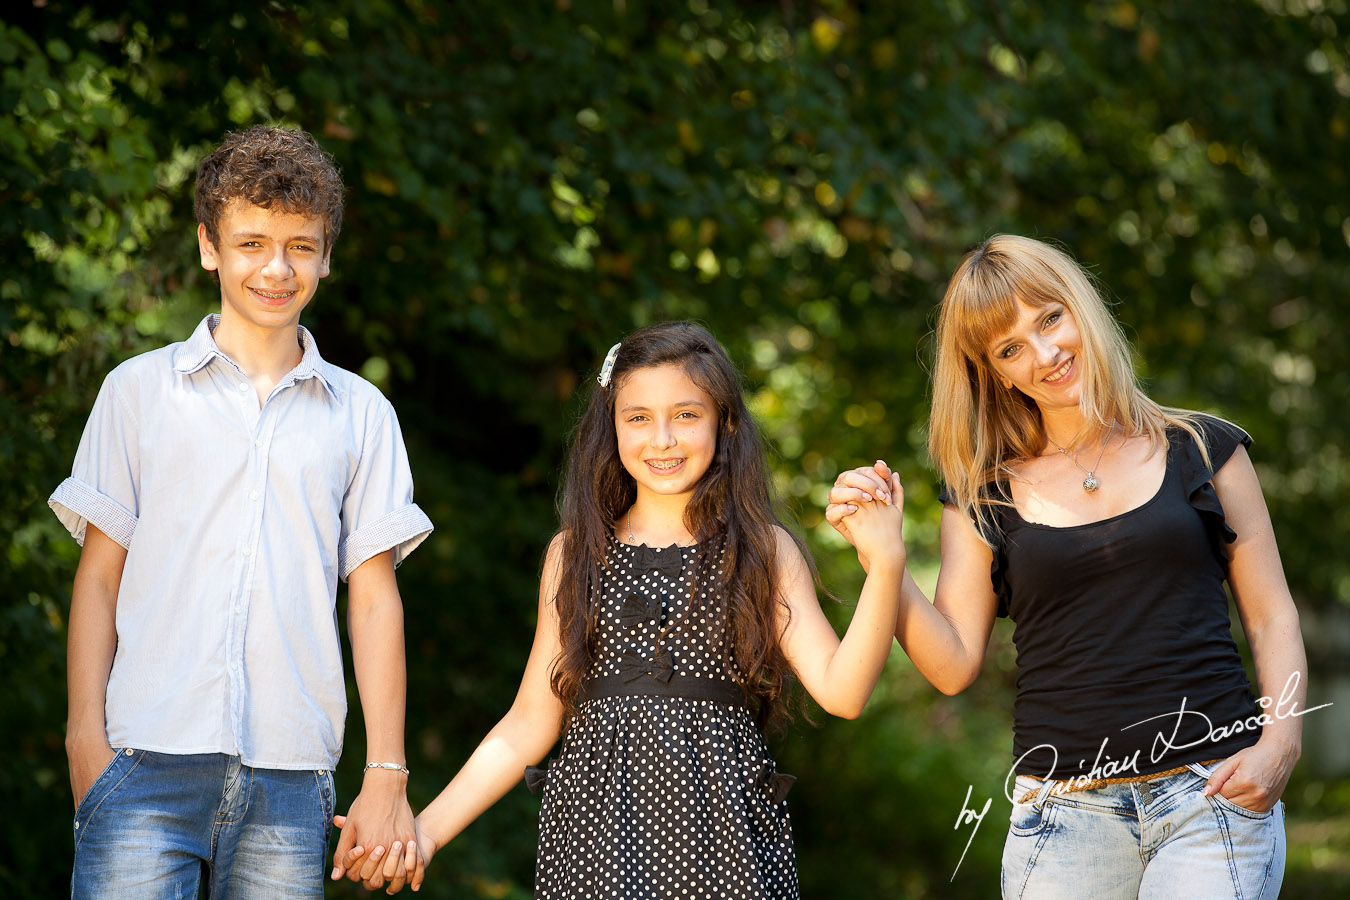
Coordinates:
[1039,355]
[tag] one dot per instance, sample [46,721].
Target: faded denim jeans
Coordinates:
[1149,840]
[154,825]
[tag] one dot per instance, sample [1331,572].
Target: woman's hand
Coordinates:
[857,486]
[1254,777]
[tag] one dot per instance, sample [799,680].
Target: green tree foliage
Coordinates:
[528,181]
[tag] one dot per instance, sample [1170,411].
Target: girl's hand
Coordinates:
[877,529]
[401,862]
[412,869]
[855,487]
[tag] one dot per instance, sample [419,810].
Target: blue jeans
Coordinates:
[1149,840]
[152,822]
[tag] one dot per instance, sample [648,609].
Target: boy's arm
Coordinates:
[380,815]
[92,641]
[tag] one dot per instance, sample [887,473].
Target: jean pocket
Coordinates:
[1224,803]
[103,777]
[1029,819]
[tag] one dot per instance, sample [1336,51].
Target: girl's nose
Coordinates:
[663,436]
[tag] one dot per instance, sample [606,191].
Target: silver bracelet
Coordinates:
[393,767]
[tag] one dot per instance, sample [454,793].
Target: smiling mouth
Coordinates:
[273,295]
[664,465]
[1058,375]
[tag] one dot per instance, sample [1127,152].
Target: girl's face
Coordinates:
[667,429]
[1039,355]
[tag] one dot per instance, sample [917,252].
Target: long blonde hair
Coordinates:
[977,428]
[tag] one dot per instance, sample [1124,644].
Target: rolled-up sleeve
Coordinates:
[104,484]
[378,512]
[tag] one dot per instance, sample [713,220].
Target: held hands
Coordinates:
[380,821]
[1254,777]
[406,866]
[877,531]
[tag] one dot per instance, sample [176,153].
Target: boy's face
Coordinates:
[269,263]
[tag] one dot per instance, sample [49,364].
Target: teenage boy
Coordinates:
[222,487]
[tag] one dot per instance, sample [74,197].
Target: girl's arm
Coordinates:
[945,639]
[840,675]
[522,738]
[1254,778]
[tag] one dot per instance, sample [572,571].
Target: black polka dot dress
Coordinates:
[659,791]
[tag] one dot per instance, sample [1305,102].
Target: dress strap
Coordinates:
[691,687]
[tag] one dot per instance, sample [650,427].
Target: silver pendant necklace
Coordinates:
[1090,483]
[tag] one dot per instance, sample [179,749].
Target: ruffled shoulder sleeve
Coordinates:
[1221,440]
[994,537]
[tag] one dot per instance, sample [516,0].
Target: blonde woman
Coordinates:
[1105,526]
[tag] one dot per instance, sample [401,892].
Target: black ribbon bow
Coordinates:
[779,785]
[667,562]
[632,667]
[536,777]
[637,609]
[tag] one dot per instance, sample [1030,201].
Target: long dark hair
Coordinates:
[731,510]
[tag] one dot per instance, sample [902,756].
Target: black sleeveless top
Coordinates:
[1126,663]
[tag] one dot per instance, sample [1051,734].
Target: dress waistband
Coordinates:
[690,687]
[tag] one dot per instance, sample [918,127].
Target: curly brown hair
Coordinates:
[268,166]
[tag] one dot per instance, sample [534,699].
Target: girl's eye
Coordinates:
[1051,319]
[688,415]
[1009,351]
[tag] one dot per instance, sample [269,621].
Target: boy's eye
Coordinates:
[687,414]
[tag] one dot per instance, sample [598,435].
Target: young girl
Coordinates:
[674,611]
[1105,526]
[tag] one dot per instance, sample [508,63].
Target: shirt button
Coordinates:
[253,495]
[242,387]
[248,551]
[258,443]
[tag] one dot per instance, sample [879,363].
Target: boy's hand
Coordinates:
[88,759]
[379,821]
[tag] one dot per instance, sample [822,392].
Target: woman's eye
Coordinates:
[1009,351]
[1052,318]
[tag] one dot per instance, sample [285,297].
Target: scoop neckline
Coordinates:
[615,538]
[1167,473]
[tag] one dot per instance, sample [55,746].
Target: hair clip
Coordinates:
[608,366]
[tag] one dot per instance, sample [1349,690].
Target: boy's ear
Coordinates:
[208,250]
[327,252]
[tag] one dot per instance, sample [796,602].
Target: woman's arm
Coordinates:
[945,639]
[1254,778]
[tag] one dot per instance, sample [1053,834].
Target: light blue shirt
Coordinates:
[238,522]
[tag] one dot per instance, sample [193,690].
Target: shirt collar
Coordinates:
[200,349]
